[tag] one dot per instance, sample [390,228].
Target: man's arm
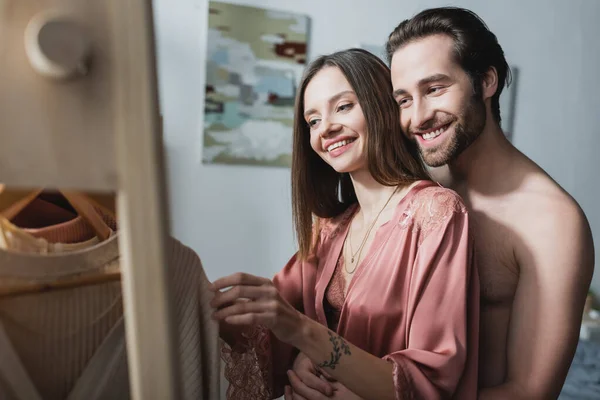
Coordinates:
[555,253]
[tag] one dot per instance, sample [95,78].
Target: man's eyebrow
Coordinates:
[424,81]
[433,78]
[399,92]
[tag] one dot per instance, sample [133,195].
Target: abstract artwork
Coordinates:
[254,63]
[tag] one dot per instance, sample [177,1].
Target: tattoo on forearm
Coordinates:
[339,346]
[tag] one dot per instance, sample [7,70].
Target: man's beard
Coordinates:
[467,128]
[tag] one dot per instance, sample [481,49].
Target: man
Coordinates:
[534,246]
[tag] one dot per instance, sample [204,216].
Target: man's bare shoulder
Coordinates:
[548,220]
[537,197]
[540,201]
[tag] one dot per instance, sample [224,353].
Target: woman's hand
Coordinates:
[299,390]
[315,386]
[252,300]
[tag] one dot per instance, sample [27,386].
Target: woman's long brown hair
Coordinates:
[317,189]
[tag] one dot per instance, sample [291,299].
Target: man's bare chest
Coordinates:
[496,263]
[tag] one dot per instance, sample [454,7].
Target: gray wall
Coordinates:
[239,218]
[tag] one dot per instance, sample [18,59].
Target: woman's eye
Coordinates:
[313,122]
[345,107]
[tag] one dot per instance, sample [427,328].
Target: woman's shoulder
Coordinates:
[434,204]
[439,196]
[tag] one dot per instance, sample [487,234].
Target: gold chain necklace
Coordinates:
[364,241]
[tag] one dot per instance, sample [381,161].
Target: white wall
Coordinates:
[239,218]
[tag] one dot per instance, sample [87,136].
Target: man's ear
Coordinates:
[489,84]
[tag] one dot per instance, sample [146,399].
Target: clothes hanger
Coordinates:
[112,274]
[89,214]
[107,202]
[13,202]
[85,207]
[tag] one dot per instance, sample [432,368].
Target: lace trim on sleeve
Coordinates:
[248,366]
[431,208]
[402,382]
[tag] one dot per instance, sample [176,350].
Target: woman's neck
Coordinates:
[371,195]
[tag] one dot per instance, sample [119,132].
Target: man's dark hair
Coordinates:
[476,48]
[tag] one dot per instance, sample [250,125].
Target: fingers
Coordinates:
[300,388]
[239,278]
[240,308]
[314,382]
[241,292]
[289,394]
[250,319]
[326,376]
[307,372]
[302,361]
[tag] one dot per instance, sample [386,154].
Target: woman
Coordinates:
[382,295]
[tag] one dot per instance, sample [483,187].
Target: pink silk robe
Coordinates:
[413,301]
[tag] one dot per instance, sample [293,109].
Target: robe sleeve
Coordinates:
[256,367]
[440,361]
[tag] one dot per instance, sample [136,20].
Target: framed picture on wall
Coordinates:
[255,58]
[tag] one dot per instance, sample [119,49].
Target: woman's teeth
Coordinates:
[339,144]
[434,134]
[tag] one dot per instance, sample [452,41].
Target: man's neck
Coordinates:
[486,159]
